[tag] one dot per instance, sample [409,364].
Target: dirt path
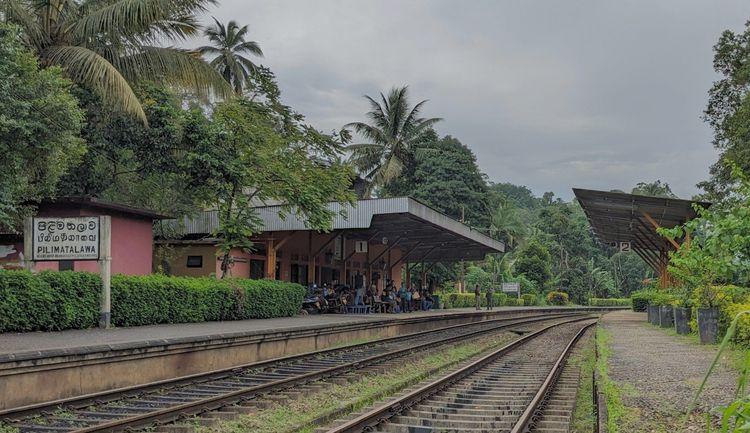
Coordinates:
[659,373]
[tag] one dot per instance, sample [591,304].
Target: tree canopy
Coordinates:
[107,46]
[728,111]
[229,49]
[394,130]
[39,126]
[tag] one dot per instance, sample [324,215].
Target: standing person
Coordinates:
[405,298]
[490,295]
[478,296]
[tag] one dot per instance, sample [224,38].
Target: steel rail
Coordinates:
[176,412]
[381,414]
[548,384]
[78,402]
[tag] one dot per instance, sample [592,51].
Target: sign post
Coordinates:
[105,269]
[54,239]
[28,247]
[512,288]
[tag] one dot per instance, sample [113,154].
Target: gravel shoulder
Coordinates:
[659,374]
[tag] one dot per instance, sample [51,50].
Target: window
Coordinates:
[195,261]
[257,269]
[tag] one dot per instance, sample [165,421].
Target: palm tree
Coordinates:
[229,45]
[394,130]
[107,45]
[507,223]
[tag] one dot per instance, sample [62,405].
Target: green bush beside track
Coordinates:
[70,300]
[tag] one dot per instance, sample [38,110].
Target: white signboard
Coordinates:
[74,238]
[511,287]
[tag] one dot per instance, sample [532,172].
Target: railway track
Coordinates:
[167,401]
[521,387]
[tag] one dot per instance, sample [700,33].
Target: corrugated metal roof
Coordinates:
[354,217]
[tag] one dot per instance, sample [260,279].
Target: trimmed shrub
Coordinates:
[728,313]
[150,299]
[467,300]
[610,302]
[662,299]
[63,300]
[513,302]
[529,299]
[641,300]
[48,301]
[557,298]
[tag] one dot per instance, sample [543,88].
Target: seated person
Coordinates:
[427,301]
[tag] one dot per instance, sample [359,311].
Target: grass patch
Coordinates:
[583,415]
[5,428]
[616,410]
[733,356]
[304,415]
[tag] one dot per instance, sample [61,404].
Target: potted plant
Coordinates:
[707,313]
[683,310]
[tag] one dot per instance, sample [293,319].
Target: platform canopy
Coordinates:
[630,221]
[420,231]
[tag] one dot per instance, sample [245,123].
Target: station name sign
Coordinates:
[75,238]
[511,287]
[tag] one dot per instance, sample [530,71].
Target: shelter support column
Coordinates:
[270,260]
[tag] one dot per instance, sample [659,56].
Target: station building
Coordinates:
[132,236]
[372,242]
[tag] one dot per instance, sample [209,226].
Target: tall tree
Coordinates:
[728,111]
[508,224]
[656,188]
[443,173]
[107,45]
[395,128]
[256,157]
[534,263]
[147,166]
[39,128]
[229,49]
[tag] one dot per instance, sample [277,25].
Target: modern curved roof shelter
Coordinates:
[632,220]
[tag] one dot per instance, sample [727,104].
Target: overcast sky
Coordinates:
[549,94]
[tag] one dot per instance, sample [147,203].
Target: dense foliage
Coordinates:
[468,300]
[557,298]
[719,249]
[70,300]
[610,302]
[107,46]
[39,125]
[728,112]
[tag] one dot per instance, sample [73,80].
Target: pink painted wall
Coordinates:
[132,243]
[241,268]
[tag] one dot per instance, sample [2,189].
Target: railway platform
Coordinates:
[47,366]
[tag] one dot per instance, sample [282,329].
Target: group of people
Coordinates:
[490,297]
[403,300]
[327,299]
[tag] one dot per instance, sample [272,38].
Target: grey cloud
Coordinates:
[549,94]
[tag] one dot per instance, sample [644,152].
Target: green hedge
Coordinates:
[65,300]
[641,299]
[557,298]
[662,298]
[529,299]
[48,300]
[467,300]
[610,302]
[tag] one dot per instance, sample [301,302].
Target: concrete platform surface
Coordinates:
[659,372]
[30,342]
